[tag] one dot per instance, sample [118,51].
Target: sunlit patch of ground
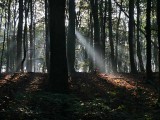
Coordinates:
[117,80]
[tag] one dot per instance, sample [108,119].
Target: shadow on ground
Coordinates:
[92,97]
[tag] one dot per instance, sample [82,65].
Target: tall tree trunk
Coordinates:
[47,34]
[8,39]
[71,37]
[131,45]
[103,16]
[3,46]
[111,36]
[148,39]
[138,42]
[117,40]
[31,37]
[34,36]
[25,35]
[19,35]
[14,37]
[91,66]
[58,76]
[94,8]
[158,23]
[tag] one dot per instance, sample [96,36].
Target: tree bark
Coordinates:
[139,55]
[25,35]
[111,36]
[71,37]
[47,34]
[19,35]
[131,37]
[94,8]
[158,23]
[58,76]
[148,40]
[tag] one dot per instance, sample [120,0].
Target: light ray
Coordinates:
[94,55]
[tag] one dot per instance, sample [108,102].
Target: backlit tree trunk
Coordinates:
[111,36]
[71,37]
[131,27]
[58,76]
[94,8]
[19,35]
[158,23]
[148,39]
[138,41]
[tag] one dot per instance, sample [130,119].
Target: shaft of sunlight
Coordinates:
[94,55]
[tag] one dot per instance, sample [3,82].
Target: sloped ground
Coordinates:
[92,97]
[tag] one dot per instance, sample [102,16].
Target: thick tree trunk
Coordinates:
[131,45]
[58,76]
[111,36]
[71,37]
[19,35]
[158,23]
[148,39]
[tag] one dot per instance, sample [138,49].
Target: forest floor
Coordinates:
[23,96]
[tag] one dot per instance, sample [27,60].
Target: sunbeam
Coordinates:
[94,55]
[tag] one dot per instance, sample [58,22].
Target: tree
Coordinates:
[26,5]
[148,39]
[139,55]
[131,45]
[58,74]
[158,23]
[47,34]
[94,8]
[8,38]
[111,35]
[71,37]
[103,17]
[31,36]
[19,35]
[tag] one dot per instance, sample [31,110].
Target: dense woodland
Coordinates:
[80,59]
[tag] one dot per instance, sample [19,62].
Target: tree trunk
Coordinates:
[111,36]
[47,34]
[131,45]
[158,23]
[148,39]
[103,16]
[8,38]
[3,46]
[31,37]
[58,76]
[94,8]
[117,41]
[71,37]
[139,55]
[19,35]
[91,66]
[25,35]
[14,38]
